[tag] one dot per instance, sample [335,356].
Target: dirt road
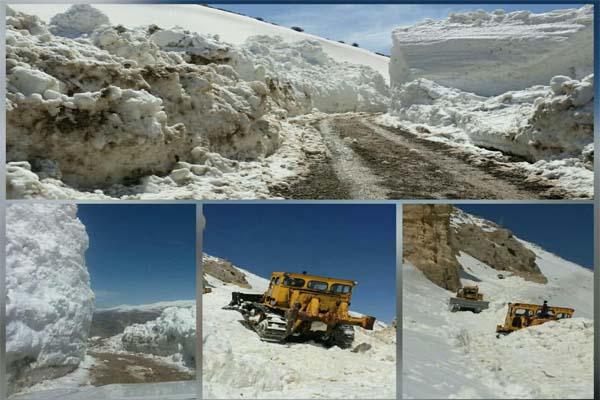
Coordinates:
[368,161]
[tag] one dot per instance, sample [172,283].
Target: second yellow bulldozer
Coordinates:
[298,305]
[523,315]
[468,299]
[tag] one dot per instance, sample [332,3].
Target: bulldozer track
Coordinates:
[272,328]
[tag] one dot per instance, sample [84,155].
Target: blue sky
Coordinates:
[369,25]
[563,229]
[140,253]
[348,241]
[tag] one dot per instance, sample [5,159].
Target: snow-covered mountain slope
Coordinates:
[457,355]
[230,27]
[492,53]
[49,301]
[237,364]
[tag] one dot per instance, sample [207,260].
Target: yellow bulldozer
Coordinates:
[468,298]
[300,305]
[523,315]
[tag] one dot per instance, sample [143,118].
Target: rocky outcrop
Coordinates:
[224,271]
[493,245]
[433,235]
[426,243]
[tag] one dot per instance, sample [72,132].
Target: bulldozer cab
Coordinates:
[522,315]
[286,289]
[302,305]
[469,292]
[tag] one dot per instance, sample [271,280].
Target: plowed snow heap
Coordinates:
[49,301]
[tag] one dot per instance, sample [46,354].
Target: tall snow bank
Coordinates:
[172,334]
[492,53]
[49,301]
[537,123]
[332,86]
[114,108]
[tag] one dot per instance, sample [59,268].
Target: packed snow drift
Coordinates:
[518,83]
[49,301]
[457,355]
[490,53]
[237,364]
[96,110]
[172,334]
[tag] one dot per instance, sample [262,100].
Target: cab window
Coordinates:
[340,289]
[293,282]
[316,285]
[523,312]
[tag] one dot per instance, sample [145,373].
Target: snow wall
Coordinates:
[173,333]
[49,302]
[117,106]
[492,53]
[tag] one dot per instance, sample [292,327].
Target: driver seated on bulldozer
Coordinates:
[523,315]
[544,311]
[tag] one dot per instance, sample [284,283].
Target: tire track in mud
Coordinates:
[321,183]
[335,173]
[414,168]
[349,167]
[364,160]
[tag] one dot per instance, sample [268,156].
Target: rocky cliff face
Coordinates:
[433,235]
[493,245]
[427,245]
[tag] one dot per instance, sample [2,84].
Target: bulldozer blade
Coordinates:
[458,304]
[237,298]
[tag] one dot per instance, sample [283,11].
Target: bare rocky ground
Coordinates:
[115,368]
[368,161]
